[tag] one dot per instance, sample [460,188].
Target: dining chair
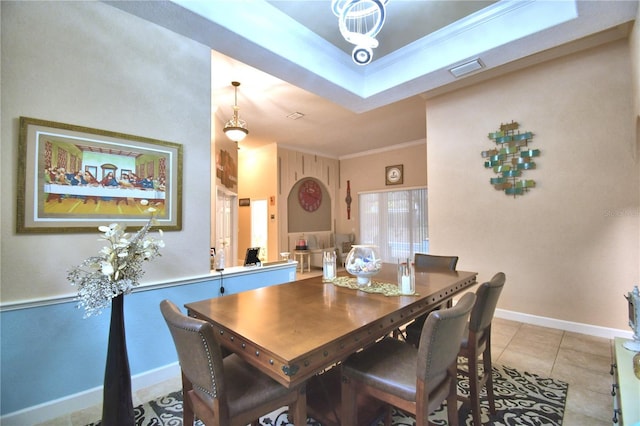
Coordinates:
[476,343]
[224,391]
[427,262]
[432,261]
[415,380]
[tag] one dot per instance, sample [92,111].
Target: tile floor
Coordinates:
[581,360]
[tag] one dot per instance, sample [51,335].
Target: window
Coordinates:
[395,221]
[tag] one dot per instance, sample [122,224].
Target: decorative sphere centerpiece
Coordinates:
[363,261]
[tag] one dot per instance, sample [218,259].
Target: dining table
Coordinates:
[297,330]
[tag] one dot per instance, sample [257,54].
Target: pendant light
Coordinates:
[359,22]
[236,128]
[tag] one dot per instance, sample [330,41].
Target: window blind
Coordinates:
[395,221]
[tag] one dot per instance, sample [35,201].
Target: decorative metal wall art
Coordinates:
[348,200]
[510,158]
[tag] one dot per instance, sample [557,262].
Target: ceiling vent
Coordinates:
[467,68]
[295,115]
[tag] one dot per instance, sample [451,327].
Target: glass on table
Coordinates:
[329,265]
[406,277]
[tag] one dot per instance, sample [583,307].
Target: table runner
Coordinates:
[379,287]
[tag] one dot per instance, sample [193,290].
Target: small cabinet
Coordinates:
[626,386]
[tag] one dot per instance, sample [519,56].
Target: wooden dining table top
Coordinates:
[294,330]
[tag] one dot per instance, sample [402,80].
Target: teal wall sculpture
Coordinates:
[510,158]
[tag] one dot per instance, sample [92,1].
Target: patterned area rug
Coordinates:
[521,399]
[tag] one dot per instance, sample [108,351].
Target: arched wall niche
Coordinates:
[302,220]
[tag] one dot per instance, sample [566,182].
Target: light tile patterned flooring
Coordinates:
[581,360]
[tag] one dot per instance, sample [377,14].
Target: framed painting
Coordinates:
[74,179]
[394,175]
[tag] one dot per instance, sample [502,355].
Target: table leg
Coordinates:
[324,402]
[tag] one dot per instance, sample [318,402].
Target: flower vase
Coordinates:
[117,405]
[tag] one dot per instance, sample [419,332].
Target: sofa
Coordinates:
[319,242]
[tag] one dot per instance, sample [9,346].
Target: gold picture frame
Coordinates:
[394,175]
[73,179]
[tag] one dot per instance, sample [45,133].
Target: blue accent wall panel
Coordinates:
[51,352]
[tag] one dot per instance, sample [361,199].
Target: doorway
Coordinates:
[259,227]
[226,214]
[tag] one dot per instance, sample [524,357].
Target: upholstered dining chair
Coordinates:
[224,391]
[432,261]
[427,262]
[476,342]
[416,380]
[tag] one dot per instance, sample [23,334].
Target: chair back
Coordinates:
[440,338]
[199,353]
[430,261]
[486,301]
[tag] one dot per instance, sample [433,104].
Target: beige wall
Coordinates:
[570,247]
[89,64]
[274,171]
[294,166]
[258,181]
[366,172]
[634,48]
[634,42]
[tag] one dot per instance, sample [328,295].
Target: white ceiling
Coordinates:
[290,57]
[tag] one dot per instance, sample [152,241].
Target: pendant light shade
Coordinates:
[236,128]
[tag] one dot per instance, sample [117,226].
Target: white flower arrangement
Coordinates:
[117,268]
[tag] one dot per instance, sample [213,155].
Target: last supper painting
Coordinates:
[74,178]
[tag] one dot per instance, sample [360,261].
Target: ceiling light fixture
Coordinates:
[236,129]
[359,22]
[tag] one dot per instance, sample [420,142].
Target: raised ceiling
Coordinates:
[290,57]
[405,22]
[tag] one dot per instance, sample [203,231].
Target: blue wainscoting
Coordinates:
[49,351]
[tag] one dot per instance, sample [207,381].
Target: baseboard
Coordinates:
[576,327]
[80,401]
